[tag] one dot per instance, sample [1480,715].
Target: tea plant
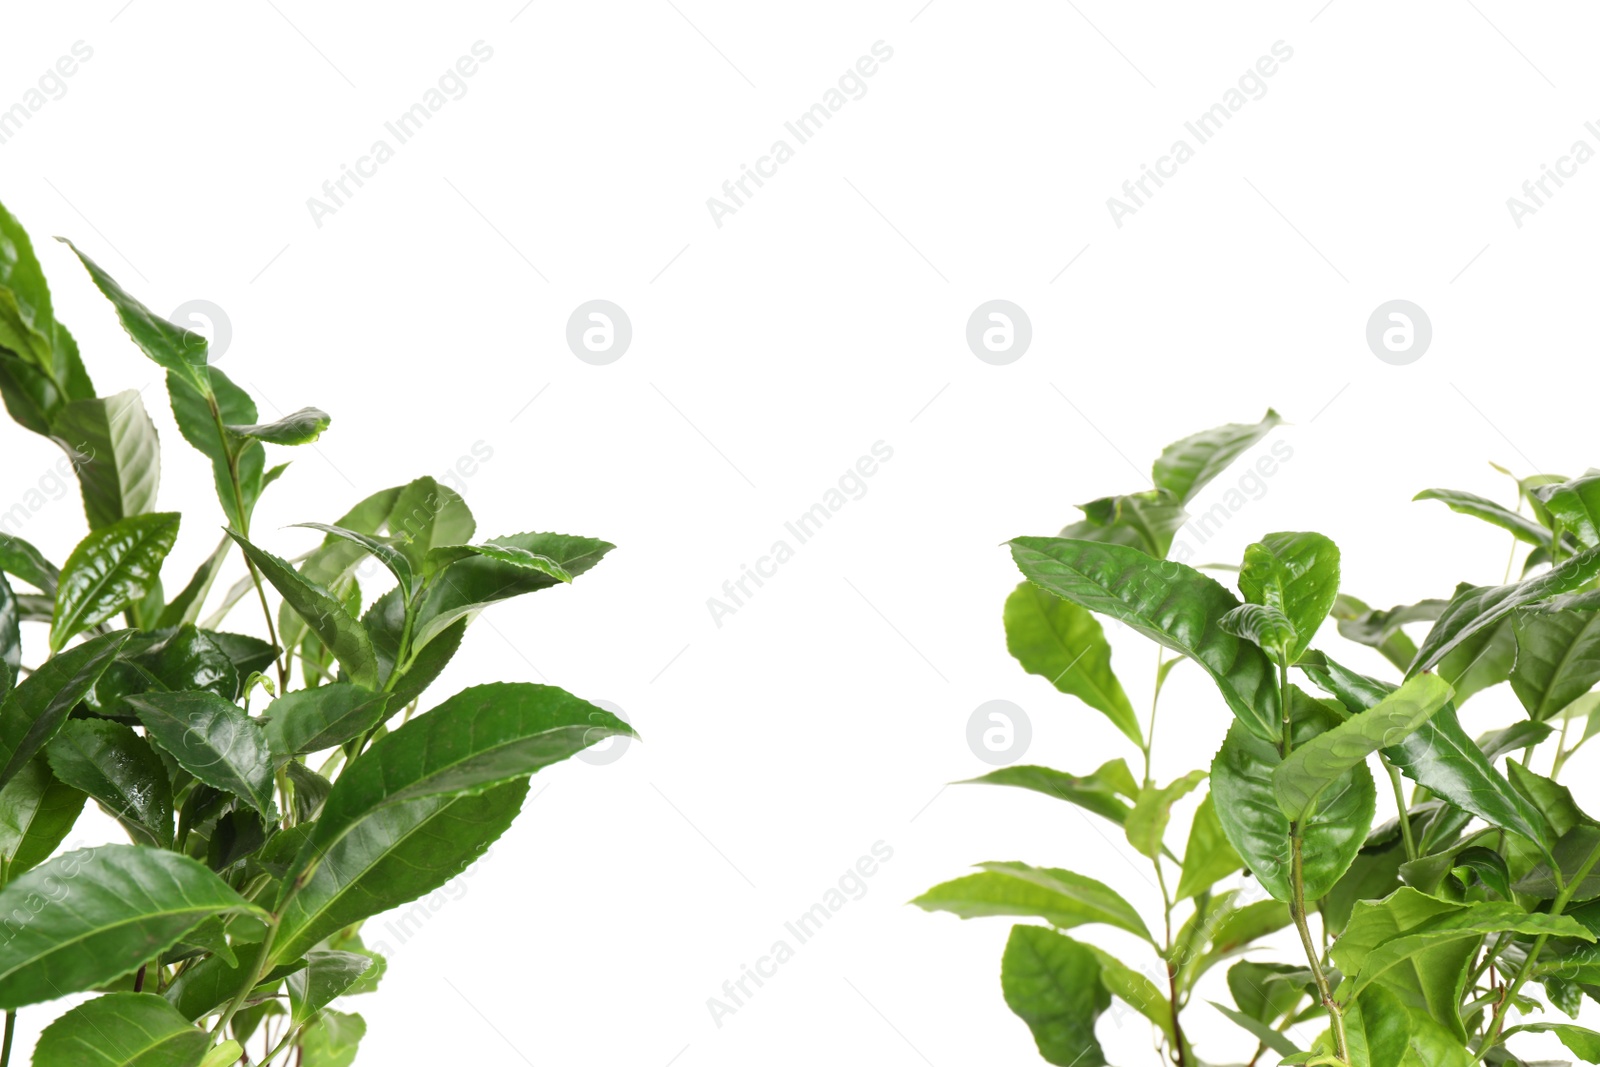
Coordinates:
[1420,939]
[266,821]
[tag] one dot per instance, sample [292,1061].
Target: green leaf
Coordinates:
[300,428]
[120,770]
[1267,992]
[1312,768]
[425,515]
[128,904]
[1476,607]
[1100,791]
[403,852]
[385,553]
[10,637]
[1581,1042]
[200,415]
[1480,662]
[1576,505]
[214,741]
[310,720]
[321,611]
[35,709]
[1061,898]
[174,348]
[1298,575]
[36,814]
[20,559]
[467,587]
[186,606]
[1146,827]
[206,985]
[330,563]
[1052,983]
[111,569]
[1264,626]
[1173,605]
[331,1041]
[1135,990]
[1147,521]
[1063,643]
[1247,806]
[327,975]
[122,1030]
[1557,653]
[1273,1039]
[1420,946]
[1185,466]
[1384,630]
[1209,856]
[517,557]
[28,315]
[1380,1030]
[1439,756]
[427,665]
[115,453]
[1520,526]
[1571,853]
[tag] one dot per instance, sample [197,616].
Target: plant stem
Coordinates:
[254,975]
[1492,1037]
[244,523]
[1400,807]
[11,1032]
[1561,749]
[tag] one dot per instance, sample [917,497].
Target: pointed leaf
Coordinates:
[1296,573]
[1209,856]
[386,554]
[1520,526]
[22,560]
[1557,653]
[326,976]
[1173,605]
[300,428]
[310,720]
[1052,983]
[120,770]
[128,904]
[122,1030]
[1061,898]
[174,348]
[214,741]
[1186,466]
[1063,643]
[1147,521]
[35,709]
[1100,791]
[36,814]
[1146,827]
[115,453]
[111,569]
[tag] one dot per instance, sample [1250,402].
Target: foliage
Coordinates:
[267,821]
[1416,940]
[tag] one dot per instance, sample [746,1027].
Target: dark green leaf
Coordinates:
[310,720]
[128,904]
[426,515]
[1172,604]
[1520,526]
[237,466]
[1383,630]
[120,770]
[445,555]
[206,985]
[1576,505]
[174,348]
[214,741]
[22,560]
[111,569]
[322,612]
[427,665]
[10,637]
[1063,643]
[1481,661]
[1298,575]
[36,708]
[1557,653]
[327,975]
[36,814]
[1186,466]
[1052,983]
[27,318]
[471,585]
[1061,898]
[387,554]
[1475,607]
[300,428]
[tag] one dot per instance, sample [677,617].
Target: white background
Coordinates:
[827,314]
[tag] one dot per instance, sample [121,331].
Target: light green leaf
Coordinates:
[1311,768]
[1298,575]
[110,570]
[1264,626]
[1061,898]
[300,428]
[1146,827]
[332,1040]
[1064,643]
[1520,526]
[1147,521]
[1580,1041]
[115,453]
[327,975]
[1052,983]
[1100,791]
[1209,856]
[122,1030]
